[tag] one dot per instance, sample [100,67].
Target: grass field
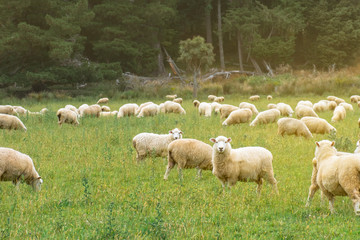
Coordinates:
[94,189]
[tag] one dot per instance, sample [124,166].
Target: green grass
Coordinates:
[94,189]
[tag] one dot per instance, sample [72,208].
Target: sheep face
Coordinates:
[176,133]
[220,143]
[36,184]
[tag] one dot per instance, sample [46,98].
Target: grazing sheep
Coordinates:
[178,100]
[127,110]
[219,99]
[305,111]
[205,109]
[72,108]
[103,100]
[20,110]
[105,109]
[108,114]
[43,111]
[271,106]
[226,109]
[82,108]
[92,110]
[156,144]
[339,114]
[269,97]
[14,165]
[11,122]
[7,109]
[142,106]
[238,116]
[215,107]
[305,102]
[161,108]
[173,107]
[189,153]
[339,100]
[321,106]
[354,98]
[149,110]
[211,98]
[266,117]
[331,98]
[254,98]
[318,125]
[67,116]
[242,164]
[285,109]
[336,175]
[196,103]
[249,106]
[291,126]
[347,106]
[171,97]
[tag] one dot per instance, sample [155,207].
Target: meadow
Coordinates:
[94,188]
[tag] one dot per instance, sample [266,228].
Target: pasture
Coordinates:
[94,189]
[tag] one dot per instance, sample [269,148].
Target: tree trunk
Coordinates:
[208,24]
[221,47]
[195,87]
[239,51]
[160,59]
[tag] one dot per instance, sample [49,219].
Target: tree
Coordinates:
[196,55]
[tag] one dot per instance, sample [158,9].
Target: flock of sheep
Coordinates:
[334,173]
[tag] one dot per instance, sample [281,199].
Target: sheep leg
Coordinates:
[16,182]
[331,199]
[312,190]
[180,173]
[168,169]
[271,179]
[259,186]
[199,172]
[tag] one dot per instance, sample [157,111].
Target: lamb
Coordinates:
[149,110]
[242,164]
[291,126]
[178,100]
[238,116]
[271,106]
[318,125]
[226,109]
[92,110]
[173,107]
[211,98]
[103,100]
[20,110]
[142,106]
[189,153]
[7,109]
[250,106]
[11,122]
[171,97]
[196,103]
[154,144]
[336,175]
[347,106]
[109,114]
[105,109]
[305,102]
[127,110]
[266,117]
[339,114]
[305,111]
[285,109]
[67,116]
[269,97]
[215,107]
[254,98]
[205,109]
[14,165]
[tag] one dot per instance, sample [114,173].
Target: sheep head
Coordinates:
[176,133]
[221,143]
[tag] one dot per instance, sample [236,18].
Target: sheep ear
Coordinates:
[212,140]
[39,178]
[317,144]
[228,140]
[181,132]
[332,143]
[170,131]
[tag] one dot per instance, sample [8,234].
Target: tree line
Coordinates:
[75,41]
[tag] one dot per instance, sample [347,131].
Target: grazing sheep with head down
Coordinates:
[271,106]
[196,103]
[7,109]
[205,109]
[109,114]
[171,97]
[347,106]
[219,99]
[269,97]
[226,109]
[211,98]
[92,110]
[20,110]
[156,144]
[127,110]
[103,100]
[318,125]
[215,107]
[254,98]
[305,111]
[291,126]
[14,165]
[339,100]
[331,98]
[238,116]
[265,117]
[336,175]
[354,98]
[105,109]
[249,106]
[242,164]
[178,100]
[189,153]
[11,122]
[149,110]
[173,107]
[338,114]
[67,116]
[305,103]
[285,109]
[138,110]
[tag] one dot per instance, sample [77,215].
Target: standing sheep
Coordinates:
[318,125]
[105,109]
[11,122]
[149,110]
[138,110]
[67,116]
[347,106]
[354,98]
[196,103]
[271,106]
[178,100]
[211,98]
[72,108]
[249,106]
[219,99]
[304,111]
[151,143]
[254,98]
[291,126]
[215,107]
[103,101]
[242,164]
[92,110]
[7,109]
[20,110]
[127,110]
[305,103]
[82,108]
[269,97]
[189,153]
[226,109]
[14,165]
[336,175]
[238,116]
[173,107]
[266,117]
[338,114]
[171,97]
[285,109]
[109,114]
[205,109]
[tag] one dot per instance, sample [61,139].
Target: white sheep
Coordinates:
[354,98]
[321,106]
[271,106]
[242,164]
[285,109]
[11,122]
[109,114]
[20,110]
[128,109]
[72,108]
[149,110]
[103,100]
[44,111]
[215,107]
[265,117]
[105,108]
[205,109]
[336,175]
[82,108]
[138,110]
[238,116]
[196,103]
[219,99]
[173,107]
[7,109]
[92,110]
[67,116]
[318,125]
[226,109]
[154,144]
[347,106]
[249,106]
[291,126]
[171,97]
[338,114]
[14,165]
[331,98]
[189,153]
[178,100]
[305,111]
[305,103]
[254,98]
[211,98]
[269,97]
[339,100]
